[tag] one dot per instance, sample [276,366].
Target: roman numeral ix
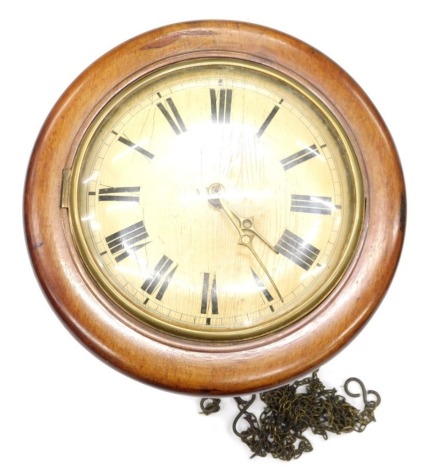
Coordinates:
[122,194]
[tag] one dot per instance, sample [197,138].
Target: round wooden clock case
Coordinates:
[314,262]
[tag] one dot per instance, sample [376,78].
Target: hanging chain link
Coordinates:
[293,409]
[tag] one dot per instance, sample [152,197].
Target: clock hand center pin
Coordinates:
[244,226]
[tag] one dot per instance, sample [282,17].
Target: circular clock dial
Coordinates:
[216,199]
[214,208]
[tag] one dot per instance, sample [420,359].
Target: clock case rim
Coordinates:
[224,338]
[183,365]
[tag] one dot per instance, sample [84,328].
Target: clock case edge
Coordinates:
[187,366]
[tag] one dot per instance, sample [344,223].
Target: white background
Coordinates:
[62,408]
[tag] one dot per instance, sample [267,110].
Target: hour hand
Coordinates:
[245,226]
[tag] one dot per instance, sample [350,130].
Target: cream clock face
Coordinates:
[216,199]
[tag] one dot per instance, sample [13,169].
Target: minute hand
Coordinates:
[247,232]
[244,226]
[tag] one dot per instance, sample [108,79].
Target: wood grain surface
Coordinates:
[180,364]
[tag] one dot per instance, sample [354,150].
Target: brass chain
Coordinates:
[293,409]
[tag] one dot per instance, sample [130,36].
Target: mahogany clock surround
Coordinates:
[187,364]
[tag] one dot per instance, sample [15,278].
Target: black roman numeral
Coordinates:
[126,241]
[299,157]
[135,147]
[172,116]
[311,204]
[268,120]
[221,105]
[159,280]
[122,194]
[297,250]
[209,300]
[262,288]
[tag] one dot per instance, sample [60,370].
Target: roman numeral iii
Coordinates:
[122,194]
[311,204]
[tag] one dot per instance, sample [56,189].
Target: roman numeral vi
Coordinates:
[209,294]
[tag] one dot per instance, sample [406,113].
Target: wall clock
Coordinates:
[214,208]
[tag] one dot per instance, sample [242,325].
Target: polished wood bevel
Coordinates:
[181,364]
